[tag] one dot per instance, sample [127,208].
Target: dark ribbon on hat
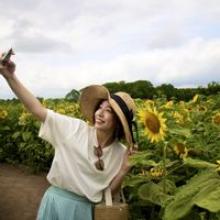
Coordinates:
[127,113]
[134,123]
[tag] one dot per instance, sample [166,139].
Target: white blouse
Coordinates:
[73,167]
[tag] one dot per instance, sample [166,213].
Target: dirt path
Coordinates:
[20,192]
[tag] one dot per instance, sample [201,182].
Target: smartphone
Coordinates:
[6,56]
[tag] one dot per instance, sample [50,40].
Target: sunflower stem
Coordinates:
[164,165]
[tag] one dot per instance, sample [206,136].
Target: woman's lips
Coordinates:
[99,121]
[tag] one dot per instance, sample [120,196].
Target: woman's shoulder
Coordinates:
[66,121]
[60,116]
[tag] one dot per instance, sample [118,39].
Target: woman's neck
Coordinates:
[104,139]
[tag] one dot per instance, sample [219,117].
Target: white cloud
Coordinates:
[68,44]
[195,63]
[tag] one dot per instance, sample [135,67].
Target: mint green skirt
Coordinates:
[59,204]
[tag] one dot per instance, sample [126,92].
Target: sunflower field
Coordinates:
[176,170]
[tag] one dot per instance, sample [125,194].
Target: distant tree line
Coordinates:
[144,89]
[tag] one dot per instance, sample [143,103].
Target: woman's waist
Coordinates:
[67,194]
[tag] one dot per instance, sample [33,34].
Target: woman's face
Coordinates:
[105,118]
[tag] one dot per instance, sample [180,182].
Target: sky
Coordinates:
[62,45]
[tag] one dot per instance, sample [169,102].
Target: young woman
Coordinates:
[88,157]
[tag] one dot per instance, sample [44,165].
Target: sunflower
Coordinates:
[156,172]
[178,117]
[169,104]
[3,114]
[44,102]
[201,109]
[182,104]
[195,98]
[148,103]
[216,118]
[218,165]
[181,150]
[24,118]
[154,124]
[61,111]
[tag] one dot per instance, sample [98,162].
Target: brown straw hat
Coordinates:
[121,102]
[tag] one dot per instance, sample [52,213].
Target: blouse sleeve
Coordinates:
[57,127]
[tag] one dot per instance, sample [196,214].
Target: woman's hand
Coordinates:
[33,105]
[7,69]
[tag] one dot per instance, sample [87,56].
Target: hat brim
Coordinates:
[90,97]
[123,120]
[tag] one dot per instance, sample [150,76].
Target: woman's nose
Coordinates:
[100,112]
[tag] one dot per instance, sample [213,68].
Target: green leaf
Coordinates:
[142,158]
[5,128]
[195,192]
[134,181]
[196,163]
[26,135]
[170,186]
[181,131]
[16,134]
[153,193]
[178,209]
[209,197]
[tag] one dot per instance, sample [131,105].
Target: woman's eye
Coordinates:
[109,110]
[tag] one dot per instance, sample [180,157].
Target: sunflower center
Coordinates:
[153,123]
[217,119]
[180,148]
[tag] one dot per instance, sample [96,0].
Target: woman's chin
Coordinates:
[98,126]
[101,127]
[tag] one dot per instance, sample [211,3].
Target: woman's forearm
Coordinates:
[25,96]
[125,168]
[116,182]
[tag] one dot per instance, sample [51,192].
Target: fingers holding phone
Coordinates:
[7,67]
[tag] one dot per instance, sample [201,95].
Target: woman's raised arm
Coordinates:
[33,105]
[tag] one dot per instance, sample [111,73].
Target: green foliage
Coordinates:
[138,89]
[189,194]
[73,95]
[202,190]
[19,142]
[153,193]
[167,90]
[165,182]
[145,90]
